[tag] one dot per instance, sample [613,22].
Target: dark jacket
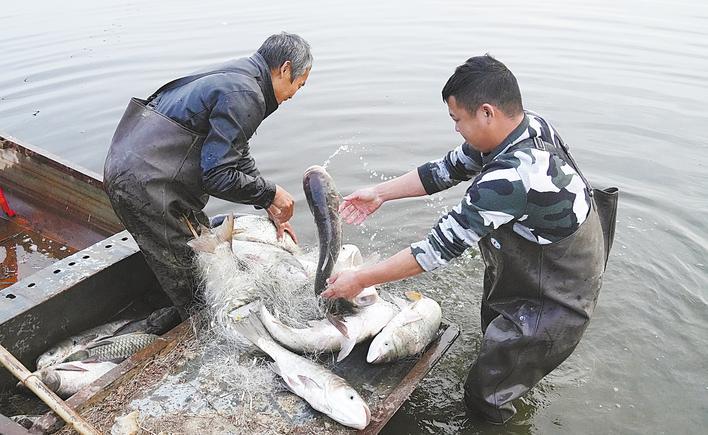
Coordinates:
[226,108]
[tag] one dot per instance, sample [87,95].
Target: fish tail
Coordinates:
[204,244]
[225,232]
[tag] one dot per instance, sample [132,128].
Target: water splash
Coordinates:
[341,148]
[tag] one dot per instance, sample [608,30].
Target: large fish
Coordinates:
[237,271]
[322,389]
[340,334]
[114,348]
[158,322]
[64,348]
[323,199]
[408,333]
[65,379]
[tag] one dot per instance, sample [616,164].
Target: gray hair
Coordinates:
[279,48]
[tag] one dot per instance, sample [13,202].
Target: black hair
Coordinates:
[483,79]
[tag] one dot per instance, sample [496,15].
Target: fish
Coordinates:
[64,348]
[114,348]
[323,200]
[260,229]
[322,389]
[409,332]
[234,272]
[332,333]
[65,379]
[158,322]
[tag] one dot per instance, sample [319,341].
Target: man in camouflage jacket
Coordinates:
[532,214]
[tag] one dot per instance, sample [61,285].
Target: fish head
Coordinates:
[56,354]
[347,407]
[50,378]
[349,258]
[383,348]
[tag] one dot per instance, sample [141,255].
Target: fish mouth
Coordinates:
[313,168]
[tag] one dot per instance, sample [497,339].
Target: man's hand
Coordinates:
[280,212]
[343,285]
[282,206]
[359,205]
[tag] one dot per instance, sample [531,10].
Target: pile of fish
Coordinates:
[81,359]
[249,243]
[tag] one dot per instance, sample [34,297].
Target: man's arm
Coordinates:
[460,164]
[348,284]
[232,122]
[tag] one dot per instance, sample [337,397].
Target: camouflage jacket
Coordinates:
[540,195]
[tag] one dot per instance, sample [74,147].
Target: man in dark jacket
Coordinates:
[189,140]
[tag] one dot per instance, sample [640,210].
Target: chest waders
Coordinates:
[537,300]
[153,176]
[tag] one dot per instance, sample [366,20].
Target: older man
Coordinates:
[543,232]
[189,140]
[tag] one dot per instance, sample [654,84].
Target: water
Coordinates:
[623,81]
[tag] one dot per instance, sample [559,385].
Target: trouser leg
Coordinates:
[518,349]
[162,238]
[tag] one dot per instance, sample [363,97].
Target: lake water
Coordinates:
[624,81]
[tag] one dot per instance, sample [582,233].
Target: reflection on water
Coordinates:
[622,80]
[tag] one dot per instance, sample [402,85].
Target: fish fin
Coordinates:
[338,323]
[410,316]
[312,323]
[252,329]
[203,244]
[79,355]
[414,296]
[121,330]
[225,232]
[309,382]
[350,341]
[71,368]
[347,346]
[103,342]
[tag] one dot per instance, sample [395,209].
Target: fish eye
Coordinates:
[385,344]
[351,397]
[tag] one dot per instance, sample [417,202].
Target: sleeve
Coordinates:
[498,196]
[228,170]
[460,164]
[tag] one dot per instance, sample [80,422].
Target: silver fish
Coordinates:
[114,348]
[323,199]
[322,389]
[260,229]
[332,334]
[223,262]
[65,379]
[408,333]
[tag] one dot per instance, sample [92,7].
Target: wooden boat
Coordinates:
[69,266]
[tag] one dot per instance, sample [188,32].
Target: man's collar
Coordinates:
[266,83]
[513,137]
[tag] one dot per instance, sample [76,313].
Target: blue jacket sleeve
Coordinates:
[228,170]
[460,164]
